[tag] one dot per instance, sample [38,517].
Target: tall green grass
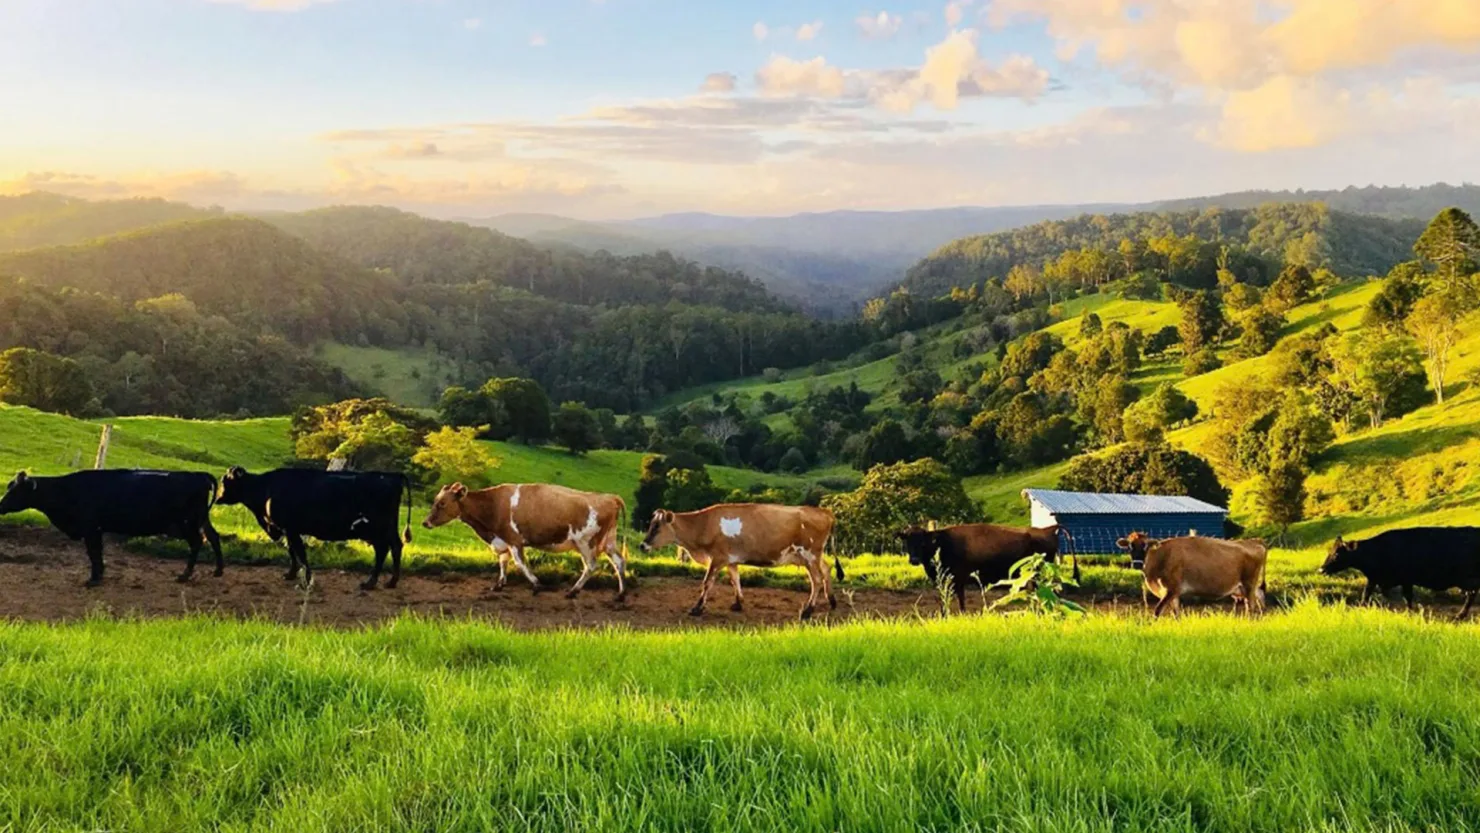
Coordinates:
[1322,719]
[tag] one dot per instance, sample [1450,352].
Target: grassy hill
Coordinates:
[38,219]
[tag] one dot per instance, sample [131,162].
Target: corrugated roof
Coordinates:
[1091,503]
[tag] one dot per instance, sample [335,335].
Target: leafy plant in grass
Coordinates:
[1038,583]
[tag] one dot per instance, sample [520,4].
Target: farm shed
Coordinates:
[1096,521]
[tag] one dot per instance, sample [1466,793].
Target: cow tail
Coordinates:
[215,491]
[837,560]
[406,534]
[1073,551]
[622,527]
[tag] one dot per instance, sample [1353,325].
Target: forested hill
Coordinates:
[244,269]
[418,250]
[40,219]
[1190,242]
[1401,203]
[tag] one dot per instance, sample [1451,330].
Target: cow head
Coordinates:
[1137,544]
[447,507]
[18,495]
[660,532]
[229,493]
[921,545]
[1343,556]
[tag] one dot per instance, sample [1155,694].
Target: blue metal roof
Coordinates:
[1090,503]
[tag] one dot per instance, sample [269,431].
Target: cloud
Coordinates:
[956,12]
[954,69]
[200,187]
[416,150]
[760,30]
[472,23]
[881,26]
[809,31]
[787,76]
[719,82]
[538,40]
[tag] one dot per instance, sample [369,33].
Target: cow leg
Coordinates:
[1408,595]
[94,543]
[813,586]
[1469,602]
[195,541]
[503,569]
[960,587]
[619,564]
[709,573]
[299,551]
[397,547]
[832,601]
[1164,604]
[588,566]
[374,580]
[1367,591]
[214,539]
[293,565]
[739,604]
[518,555]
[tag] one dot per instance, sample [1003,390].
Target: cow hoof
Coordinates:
[737,607]
[290,576]
[93,582]
[534,589]
[497,588]
[571,594]
[218,572]
[696,611]
[391,585]
[182,578]
[806,614]
[369,585]
[832,602]
[620,599]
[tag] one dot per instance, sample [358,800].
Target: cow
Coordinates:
[87,505]
[516,516]
[760,534]
[1196,566]
[986,551]
[329,506]
[1435,558]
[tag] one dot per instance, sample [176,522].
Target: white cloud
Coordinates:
[787,76]
[956,12]
[760,30]
[719,82]
[538,40]
[881,26]
[274,5]
[472,23]
[809,31]
[953,69]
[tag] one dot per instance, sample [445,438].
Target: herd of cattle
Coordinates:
[294,504]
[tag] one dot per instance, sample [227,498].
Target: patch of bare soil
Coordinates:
[42,575]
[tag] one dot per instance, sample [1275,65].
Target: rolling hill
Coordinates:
[37,219]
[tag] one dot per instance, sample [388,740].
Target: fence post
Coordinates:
[102,459]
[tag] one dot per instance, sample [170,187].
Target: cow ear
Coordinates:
[234,472]
[458,491]
[1123,543]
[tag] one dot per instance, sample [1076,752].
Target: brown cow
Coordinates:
[1195,566]
[516,516]
[986,551]
[732,534]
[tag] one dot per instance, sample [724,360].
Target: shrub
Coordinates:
[894,497]
[1146,469]
[1200,362]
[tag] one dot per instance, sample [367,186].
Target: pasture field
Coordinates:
[1323,718]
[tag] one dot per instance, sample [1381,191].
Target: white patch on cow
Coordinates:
[730,527]
[736,558]
[583,536]
[514,500]
[514,504]
[499,544]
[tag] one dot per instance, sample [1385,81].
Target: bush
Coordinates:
[1281,495]
[45,382]
[524,406]
[1146,469]
[793,461]
[454,454]
[894,497]
[1200,362]
[577,428]
[771,375]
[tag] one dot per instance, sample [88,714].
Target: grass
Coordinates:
[1319,719]
[410,377]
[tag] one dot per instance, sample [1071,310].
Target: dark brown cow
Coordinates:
[1195,566]
[515,516]
[732,534]
[986,551]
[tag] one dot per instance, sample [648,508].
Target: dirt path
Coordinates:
[42,573]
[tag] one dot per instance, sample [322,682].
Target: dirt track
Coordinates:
[42,574]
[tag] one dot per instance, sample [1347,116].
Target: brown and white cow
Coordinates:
[1194,566]
[766,535]
[515,516]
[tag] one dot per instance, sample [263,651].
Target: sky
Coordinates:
[610,109]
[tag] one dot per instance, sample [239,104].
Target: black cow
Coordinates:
[86,505]
[329,506]
[1433,557]
[986,551]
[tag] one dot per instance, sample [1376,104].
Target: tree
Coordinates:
[652,483]
[1150,417]
[634,433]
[43,381]
[369,434]
[1390,307]
[526,405]
[1435,323]
[1385,375]
[1452,244]
[1261,331]
[887,442]
[1299,433]
[456,455]
[1090,325]
[1163,340]
[463,408]
[1203,361]
[690,489]
[893,497]
[1031,354]
[1241,296]
[1293,287]
[794,461]
[1202,320]
[1281,495]
[1146,469]
[1023,281]
[577,428]
[1102,407]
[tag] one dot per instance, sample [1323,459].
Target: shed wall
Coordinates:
[1097,534]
